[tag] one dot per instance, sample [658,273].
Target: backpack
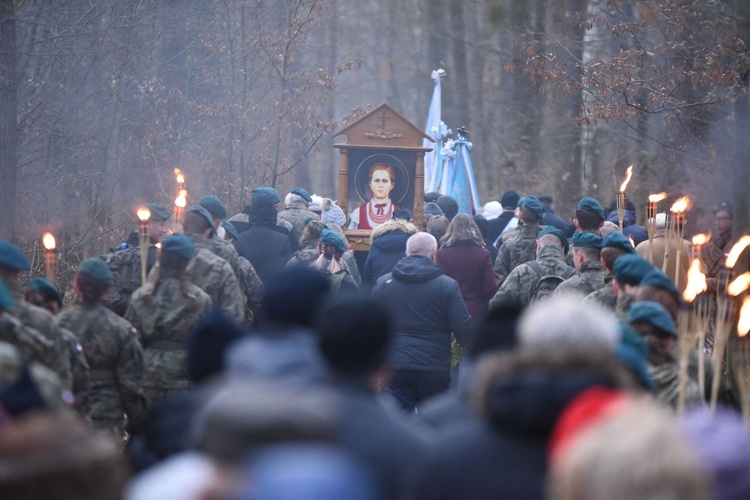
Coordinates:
[547,283]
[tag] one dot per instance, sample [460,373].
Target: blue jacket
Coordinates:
[386,250]
[428,307]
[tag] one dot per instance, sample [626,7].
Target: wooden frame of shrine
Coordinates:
[382,136]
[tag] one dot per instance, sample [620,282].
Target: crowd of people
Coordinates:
[511,354]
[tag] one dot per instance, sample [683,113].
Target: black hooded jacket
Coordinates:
[428,307]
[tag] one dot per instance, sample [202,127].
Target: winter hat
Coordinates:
[295,295]
[492,210]
[332,213]
[509,200]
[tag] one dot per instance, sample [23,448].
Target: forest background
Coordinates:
[101,99]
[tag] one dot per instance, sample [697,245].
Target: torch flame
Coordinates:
[701,239]
[696,281]
[681,205]
[656,198]
[736,251]
[180,177]
[48,241]
[632,242]
[628,175]
[743,324]
[181,200]
[739,285]
[143,214]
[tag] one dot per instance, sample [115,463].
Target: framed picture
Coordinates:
[380,182]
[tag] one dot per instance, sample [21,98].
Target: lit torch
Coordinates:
[676,227]
[743,324]
[180,179]
[696,284]
[653,200]
[179,210]
[50,257]
[741,358]
[143,216]
[622,197]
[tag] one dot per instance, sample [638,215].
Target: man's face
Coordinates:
[723,222]
[158,229]
[381,185]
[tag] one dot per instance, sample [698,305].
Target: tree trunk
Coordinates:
[8,123]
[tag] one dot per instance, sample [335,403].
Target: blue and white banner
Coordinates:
[436,129]
[458,176]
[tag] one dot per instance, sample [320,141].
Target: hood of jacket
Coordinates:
[393,225]
[416,269]
[628,219]
[391,242]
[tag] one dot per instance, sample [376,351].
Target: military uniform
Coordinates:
[79,369]
[605,296]
[165,319]
[587,279]
[12,363]
[253,288]
[296,216]
[125,265]
[116,361]
[622,307]
[43,322]
[215,276]
[519,285]
[515,251]
[31,344]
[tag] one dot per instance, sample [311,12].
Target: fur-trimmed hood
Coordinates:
[393,225]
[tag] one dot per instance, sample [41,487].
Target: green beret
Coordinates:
[42,285]
[268,192]
[214,206]
[310,219]
[658,279]
[631,269]
[6,298]
[592,205]
[229,227]
[332,237]
[589,240]
[97,269]
[553,230]
[520,202]
[616,239]
[158,212]
[179,244]
[654,314]
[303,193]
[630,337]
[533,204]
[204,213]
[11,257]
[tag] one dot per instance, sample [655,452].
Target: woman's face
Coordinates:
[381,185]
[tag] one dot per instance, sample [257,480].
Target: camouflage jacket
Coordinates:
[296,217]
[666,377]
[515,251]
[519,285]
[622,307]
[308,252]
[253,289]
[214,276]
[79,368]
[605,296]
[31,345]
[12,363]
[165,318]
[588,278]
[125,266]
[43,322]
[116,360]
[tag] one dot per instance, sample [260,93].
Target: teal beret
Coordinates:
[11,257]
[303,193]
[592,205]
[532,203]
[658,279]
[553,230]
[520,202]
[310,219]
[42,285]
[97,269]
[616,239]
[229,227]
[637,363]
[179,244]
[158,212]
[268,192]
[589,240]
[654,314]
[332,237]
[630,338]
[214,206]
[631,269]
[204,213]
[6,298]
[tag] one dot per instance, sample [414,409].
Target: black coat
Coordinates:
[386,250]
[428,307]
[496,226]
[266,249]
